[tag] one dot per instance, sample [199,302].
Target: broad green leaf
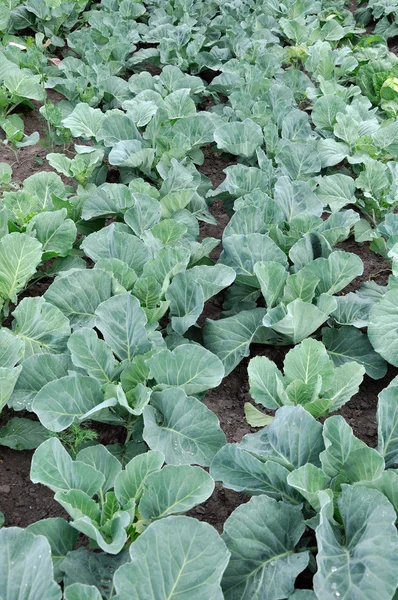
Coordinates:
[22,83]
[178,104]
[84,121]
[190,289]
[177,557]
[295,198]
[8,379]
[347,459]
[325,111]
[26,569]
[387,420]
[20,256]
[299,160]
[382,330]
[92,354]
[80,591]
[54,231]
[293,439]
[122,273]
[41,326]
[309,480]
[306,362]
[346,381]
[255,417]
[103,461]
[262,536]
[264,381]
[336,271]
[144,214]
[130,483]
[37,371]
[107,199]
[301,319]
[23,434]
[52,466]
[182,428]
[240,138]
[68,400]
[111,243]
[79,293]
[300,285]
[241,471]
[86,516]
[94,569]
[348,344]
[43,186]
[61,537]
[353,565]
[189,366]
[121,321]
[242,252]
[272,277]
[230,338]
[173,490]
[11,348]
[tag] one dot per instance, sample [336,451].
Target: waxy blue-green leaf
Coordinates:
[173,490]
[80,591]
[61,537]
[121,321]
[230,338]
[130,483]
[111,243]
[103,461]
[107,199]
[177,557]
[348,344]
[352,565]
[272,277]
[336,271]
[241,471]
[182,428]
[94,569]
[293,439]
[325,111]
[23,434]
[8,379]
[26,569]
[262,536]
[41,326]
[37,371]
[54,231]
[240,138]
[242,252]
[298,321]
[79,293]
[20,256]
[178,104]
[68,400]
[382,330]
[347,459]
[264,381]
[189,366]
[52,466]
[93,355]
[336,191]
[387,420]
[84,121]
[11,348]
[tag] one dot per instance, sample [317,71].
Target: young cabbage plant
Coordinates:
[306,479]
[112,505]
[309,379]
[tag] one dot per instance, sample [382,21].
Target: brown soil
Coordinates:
[23,502]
